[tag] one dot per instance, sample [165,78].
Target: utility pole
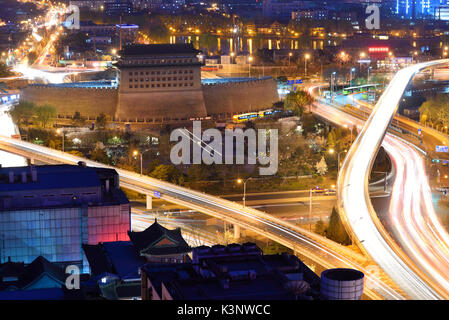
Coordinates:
[120,33]
[310,210]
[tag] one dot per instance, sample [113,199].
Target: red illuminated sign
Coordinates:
[378,49]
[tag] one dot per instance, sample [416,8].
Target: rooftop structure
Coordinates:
[234,272]
[116,264]
[158,243]
[39,274]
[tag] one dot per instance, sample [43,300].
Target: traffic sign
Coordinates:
[157,194]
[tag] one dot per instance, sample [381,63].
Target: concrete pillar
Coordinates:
[236,231]
[149,202]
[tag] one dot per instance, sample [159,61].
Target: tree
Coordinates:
[321,167]
[100,155]
[278,105]
[159,33]
[44,114]
[336,231]
[22,112]
[166,173]
[296,101]
[320,228]
[77,119]
[308,123]
[197,172]
[275,248]
[102,120]
[5,71]
[436,110]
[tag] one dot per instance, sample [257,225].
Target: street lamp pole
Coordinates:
[141,164]
[332,84]
[141,160]
[351,76]
[331,151]
[369,68]
[310,209]
[250,59]
[244,189]
[306,57]
[60,130]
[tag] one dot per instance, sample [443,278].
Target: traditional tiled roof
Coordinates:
[41,266]
[157,240]
[30,274]
[98,261]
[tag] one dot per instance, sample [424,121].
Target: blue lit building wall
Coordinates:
[417,8]
[56,234]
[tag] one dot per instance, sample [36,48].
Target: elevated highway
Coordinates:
[420,271]
[320,250]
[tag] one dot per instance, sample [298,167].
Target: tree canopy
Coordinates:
[336,230]
[436,110]
[44,114]
[297,101]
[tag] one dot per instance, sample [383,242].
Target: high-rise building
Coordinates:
[118,7]
[416,9]
[52,210]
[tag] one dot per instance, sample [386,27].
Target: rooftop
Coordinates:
[158,240]
[28,276]
[158,49]
[49,177]
[264,287]
[53,186]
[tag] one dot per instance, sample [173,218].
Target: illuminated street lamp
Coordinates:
[289,57]
[61,131]
[333,75]
[250,59]
[306,57]
[240,181]
[135,153]
[351,73]
[332,151]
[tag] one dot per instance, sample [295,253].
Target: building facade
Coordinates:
[154,78]
[157,84]
[51,211]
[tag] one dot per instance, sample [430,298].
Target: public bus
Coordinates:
[359,89]
[238,118]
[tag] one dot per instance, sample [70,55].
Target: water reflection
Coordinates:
[226,45]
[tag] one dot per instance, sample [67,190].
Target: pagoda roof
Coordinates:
[158,240]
